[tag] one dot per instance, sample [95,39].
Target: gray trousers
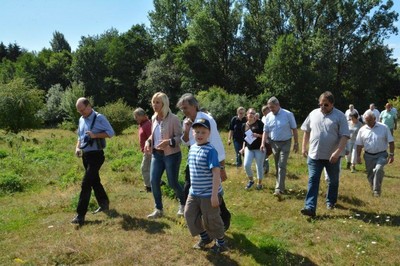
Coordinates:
[281,150]
[145,167]
[374,165]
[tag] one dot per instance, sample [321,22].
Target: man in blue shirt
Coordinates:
[279,128]
[92,130]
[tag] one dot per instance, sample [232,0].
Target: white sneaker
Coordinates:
[156,214]
[181,211]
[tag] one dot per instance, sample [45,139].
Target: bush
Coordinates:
[221,104]
[3,154]
[10,183]
[19,105]
[68,102]
[52,113]
[119,114]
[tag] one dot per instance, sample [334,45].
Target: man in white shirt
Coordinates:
[375,137]
[189,105]
[348,112]
[373,109]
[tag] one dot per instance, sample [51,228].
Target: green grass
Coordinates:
[35,229]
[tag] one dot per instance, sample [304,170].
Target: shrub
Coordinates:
[221,104]
[10,183]
[3,154]
[19,105]
[119,114]
[68,102]
[52,113]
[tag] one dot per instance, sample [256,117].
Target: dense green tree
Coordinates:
[13,52]
[3,51]
[7,71]
[19,105]
[159,75]
[169,22]
[214,33]
[289,78]
[59,43]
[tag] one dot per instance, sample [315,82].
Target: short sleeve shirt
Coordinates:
[326,130]
[375,139]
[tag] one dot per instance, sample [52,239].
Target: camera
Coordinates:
[88,140]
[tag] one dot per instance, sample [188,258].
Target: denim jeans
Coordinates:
[238,146]
[259,157]
[315,168]
[169,163]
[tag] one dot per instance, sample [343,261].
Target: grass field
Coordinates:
[35,224]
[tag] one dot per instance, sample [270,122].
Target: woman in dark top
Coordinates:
[253,131]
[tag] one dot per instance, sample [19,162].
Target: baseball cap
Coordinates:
[202,122]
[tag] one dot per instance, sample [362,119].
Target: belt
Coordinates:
[158,151]
[92,151]
[369,153]
[281,140]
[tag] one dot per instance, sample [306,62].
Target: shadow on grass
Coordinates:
[352,200]
[269,253]
[383,219]
[133,223]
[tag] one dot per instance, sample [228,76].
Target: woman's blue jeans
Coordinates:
[169,163]
[315,168]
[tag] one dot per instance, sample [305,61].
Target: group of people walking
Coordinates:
[328,134]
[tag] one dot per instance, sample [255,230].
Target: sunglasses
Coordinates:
[324,105]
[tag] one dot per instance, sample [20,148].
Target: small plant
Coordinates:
[10,183]
[3,154]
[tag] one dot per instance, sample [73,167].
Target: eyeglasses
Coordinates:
[252,113]
[324,105]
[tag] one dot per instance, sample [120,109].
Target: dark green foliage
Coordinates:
[3,154]
[10,183]
[119,114]
[59,43]
[221,104]
[19,105]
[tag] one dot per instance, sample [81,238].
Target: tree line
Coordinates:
[227,52]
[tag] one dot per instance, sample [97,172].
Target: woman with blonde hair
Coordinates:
[163,144]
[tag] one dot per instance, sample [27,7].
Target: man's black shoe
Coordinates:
[308,212]
[78,220]
[101,209]
[148,189]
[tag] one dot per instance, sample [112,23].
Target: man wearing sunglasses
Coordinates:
[326,132]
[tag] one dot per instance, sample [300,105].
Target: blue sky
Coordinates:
[31,23]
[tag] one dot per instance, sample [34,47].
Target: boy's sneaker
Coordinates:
[181,211]
[249,185]
[259,187]
[156,214]
[218,249]
[202,243]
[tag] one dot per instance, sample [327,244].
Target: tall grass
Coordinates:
[35,213]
